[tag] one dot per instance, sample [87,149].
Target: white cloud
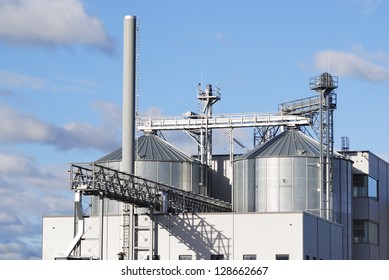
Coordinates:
[18,127]
[377,57]
[364,7]
[11,164]
[47,22]
[28,191]
[6,218]
[79,135]
[14,251]
[16,80]
[220,37]
[110,112]
[10,82]
[6,93]
[359,64]
[16,169]
[152,112]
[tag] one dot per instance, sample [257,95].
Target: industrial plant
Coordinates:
[291,197]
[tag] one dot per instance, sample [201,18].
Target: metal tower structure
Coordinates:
[207,99]
[125,187]
[324,85]
[319,109]
[203,135]
[199,126]
[263,134]
[134,191]
[315,112]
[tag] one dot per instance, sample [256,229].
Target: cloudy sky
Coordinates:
[61,81]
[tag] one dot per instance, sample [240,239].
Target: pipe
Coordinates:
[80,223]
[128,118]
[101,231]
[128,125]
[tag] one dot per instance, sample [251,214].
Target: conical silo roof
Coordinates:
[153,148]
[290,143]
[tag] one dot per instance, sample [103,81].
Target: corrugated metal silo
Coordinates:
[158,160]
[283,175]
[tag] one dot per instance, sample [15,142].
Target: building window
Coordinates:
[185,257]
[365,232]
[365,186]
[249,257]
[217,257]
[155,257]
[282,257]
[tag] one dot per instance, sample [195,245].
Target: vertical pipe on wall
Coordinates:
[101,229]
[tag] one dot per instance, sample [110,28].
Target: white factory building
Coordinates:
[291,197]
[281,226]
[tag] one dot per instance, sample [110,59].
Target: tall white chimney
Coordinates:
[129,76]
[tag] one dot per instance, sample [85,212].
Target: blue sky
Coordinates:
[61,81]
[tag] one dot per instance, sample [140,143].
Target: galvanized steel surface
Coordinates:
[283,175]
[151,147]
[289,143]
[158,160]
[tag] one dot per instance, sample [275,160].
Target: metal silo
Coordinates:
[158,160]
[282,175]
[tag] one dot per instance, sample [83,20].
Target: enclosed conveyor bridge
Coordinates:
[221,121]
[113,184]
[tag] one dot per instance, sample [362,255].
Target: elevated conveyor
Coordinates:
[110,183]
[221,121]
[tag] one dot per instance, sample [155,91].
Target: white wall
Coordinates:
[200,235]
[268,234]
[57,233]
[236,234]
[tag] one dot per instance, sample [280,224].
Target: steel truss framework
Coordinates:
[110,183]
[315,112]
